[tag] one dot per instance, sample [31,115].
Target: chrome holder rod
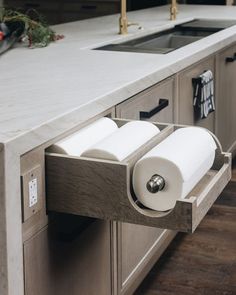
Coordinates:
[155,184]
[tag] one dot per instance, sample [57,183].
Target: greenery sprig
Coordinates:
[36,31]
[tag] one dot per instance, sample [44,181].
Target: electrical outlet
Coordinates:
[32,188]
[33,192]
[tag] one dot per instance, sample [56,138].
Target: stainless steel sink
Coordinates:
[169,40]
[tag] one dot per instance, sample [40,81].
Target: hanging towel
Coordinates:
[203,92]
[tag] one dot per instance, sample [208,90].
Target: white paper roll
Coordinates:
[86,137]
[182,159]
[123,141]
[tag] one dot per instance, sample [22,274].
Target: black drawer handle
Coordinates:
[231,59]
[163,103]
[89,7]
[31,5]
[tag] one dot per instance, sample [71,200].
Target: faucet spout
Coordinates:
[173,10]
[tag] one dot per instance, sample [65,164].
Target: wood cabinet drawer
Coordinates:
[148,101]
[51,5]
[102,189]
[87,9]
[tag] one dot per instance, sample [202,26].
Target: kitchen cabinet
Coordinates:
[65,11]
[226,98]
[184,103]
[117,255]
[140,246]
[64,253]
[73,263]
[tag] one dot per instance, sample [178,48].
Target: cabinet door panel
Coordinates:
[226,102]
[136,242]
[185,94]
[139,247]
[80,266]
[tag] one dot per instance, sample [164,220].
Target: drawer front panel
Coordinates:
[148,100]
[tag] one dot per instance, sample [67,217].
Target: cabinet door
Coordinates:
[140,246]
[226,100]
[185,94]
[79,265]
[160,95]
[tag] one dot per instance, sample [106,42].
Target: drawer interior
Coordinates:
[103,189]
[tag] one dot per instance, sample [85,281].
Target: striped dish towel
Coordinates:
[203,91]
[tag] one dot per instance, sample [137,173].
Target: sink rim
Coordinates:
[132,44]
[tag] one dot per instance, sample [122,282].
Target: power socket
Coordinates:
[31,187]
[33,192]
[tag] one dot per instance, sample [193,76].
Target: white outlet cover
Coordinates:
[33,192]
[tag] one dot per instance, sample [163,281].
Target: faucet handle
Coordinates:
[135,24]
[132,24]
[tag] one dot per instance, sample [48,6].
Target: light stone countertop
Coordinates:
[46,92]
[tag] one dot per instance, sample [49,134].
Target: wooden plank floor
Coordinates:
[203,263]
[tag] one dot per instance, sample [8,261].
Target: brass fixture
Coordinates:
[173,10]
[123,21]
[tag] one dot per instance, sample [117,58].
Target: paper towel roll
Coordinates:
[77,143]
[182,159]
[123,141]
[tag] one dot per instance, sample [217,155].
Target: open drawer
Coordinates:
[103,189]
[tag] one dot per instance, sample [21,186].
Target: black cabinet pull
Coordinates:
[89,7]
[163,103]
[231,59]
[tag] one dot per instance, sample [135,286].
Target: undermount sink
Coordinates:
[169,40]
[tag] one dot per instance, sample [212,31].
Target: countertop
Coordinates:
[45,92]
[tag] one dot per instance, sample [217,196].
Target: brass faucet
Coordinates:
[173,10]
[123,21]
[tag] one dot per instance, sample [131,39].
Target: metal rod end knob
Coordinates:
[155,184]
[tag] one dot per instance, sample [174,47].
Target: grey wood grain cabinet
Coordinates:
[78,265]
[226,98]
[65,253]
[160,95]
[140,246]
[114,257]
[184,103]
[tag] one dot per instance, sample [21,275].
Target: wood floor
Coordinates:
[203,263]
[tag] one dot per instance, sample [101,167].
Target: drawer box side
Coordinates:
[102,189]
